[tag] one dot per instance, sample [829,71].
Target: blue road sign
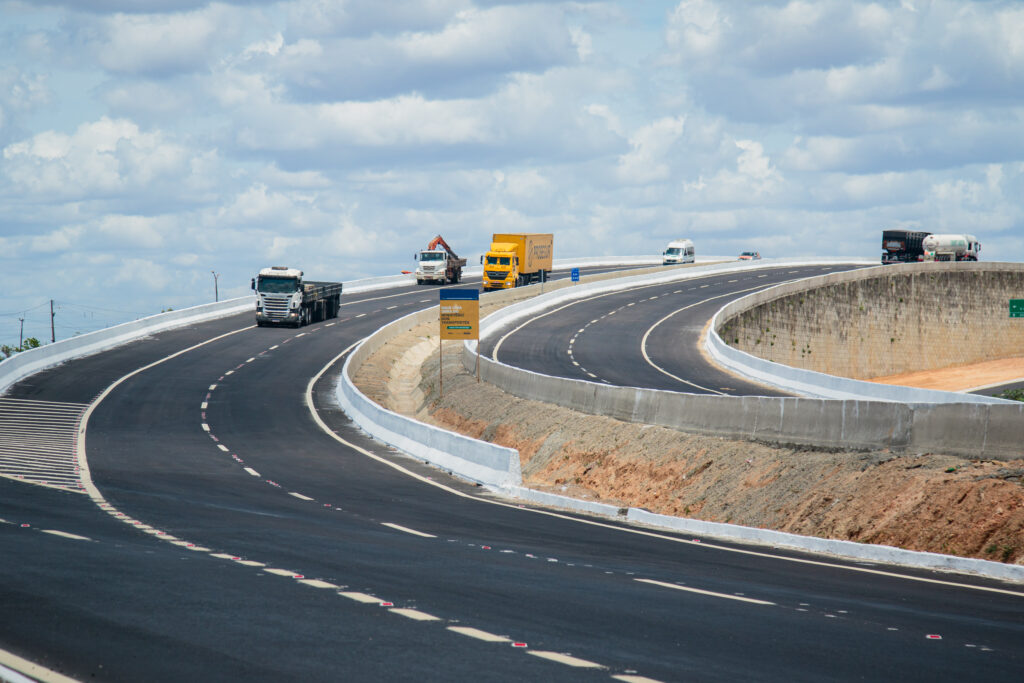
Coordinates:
[575,275]
[460,295]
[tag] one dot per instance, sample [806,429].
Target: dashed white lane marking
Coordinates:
[360,315]
[280,572]
[360,597]
[203,406]
[390,307]
[479,635]
[274,347]
[565,659]
[590,374]
[65,534]
[250,563]
[299,495]
[316,583]
[300,334]
[205,427]
[252,471]
[414,614]
[212,387]
[229,372]
[222,447]
[704,592]
[407,530]
[628,678]
[251,359]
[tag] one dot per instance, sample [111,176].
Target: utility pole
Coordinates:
[216,292]
[53,335]
[21,332]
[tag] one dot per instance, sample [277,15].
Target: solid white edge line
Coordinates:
[704,592]
[647,334]
[25,671]
[407,530]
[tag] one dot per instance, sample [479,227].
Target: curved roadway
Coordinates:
[646,336]
[238,538]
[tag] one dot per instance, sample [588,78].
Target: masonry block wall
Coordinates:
[887,320]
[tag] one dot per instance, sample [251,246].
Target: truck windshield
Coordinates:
[431,256]
[498,260]
[674,251]
[277,285]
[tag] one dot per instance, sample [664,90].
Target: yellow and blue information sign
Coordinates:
[460,314]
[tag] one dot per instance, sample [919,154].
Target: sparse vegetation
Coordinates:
[1012,394]
[30,343]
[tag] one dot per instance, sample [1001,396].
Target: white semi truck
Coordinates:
[284,298]
[951,248]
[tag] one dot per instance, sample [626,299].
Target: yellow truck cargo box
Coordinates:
[534,249]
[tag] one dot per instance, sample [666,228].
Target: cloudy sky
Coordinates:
[147,143]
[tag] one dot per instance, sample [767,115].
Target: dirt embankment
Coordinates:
[925,501]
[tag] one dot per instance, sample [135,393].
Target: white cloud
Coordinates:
[652,150]
[104,156]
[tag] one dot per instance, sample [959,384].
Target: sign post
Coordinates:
[1017,308]
[460,319]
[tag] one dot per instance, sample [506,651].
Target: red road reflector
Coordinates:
[25,526]
[387,604]
[485,547]
[933,636]
[518,644]
[298,576]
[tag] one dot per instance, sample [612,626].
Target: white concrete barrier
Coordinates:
[808,382]
[23,364]
[469,458]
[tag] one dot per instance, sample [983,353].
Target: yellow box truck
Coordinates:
[516,259]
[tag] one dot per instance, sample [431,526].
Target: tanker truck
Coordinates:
[438,263]
[951,248]
[284,298]
[516,259]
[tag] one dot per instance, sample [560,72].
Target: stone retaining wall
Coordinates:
[887,320]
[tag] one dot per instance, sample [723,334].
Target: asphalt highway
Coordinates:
[238,538]
[641,337]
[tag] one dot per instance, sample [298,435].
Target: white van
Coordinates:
[678,251]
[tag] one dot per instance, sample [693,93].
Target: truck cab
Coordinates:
[501,266]
[433,266]
[278,295]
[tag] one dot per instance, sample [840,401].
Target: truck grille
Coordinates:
[275,306]
[495,274]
